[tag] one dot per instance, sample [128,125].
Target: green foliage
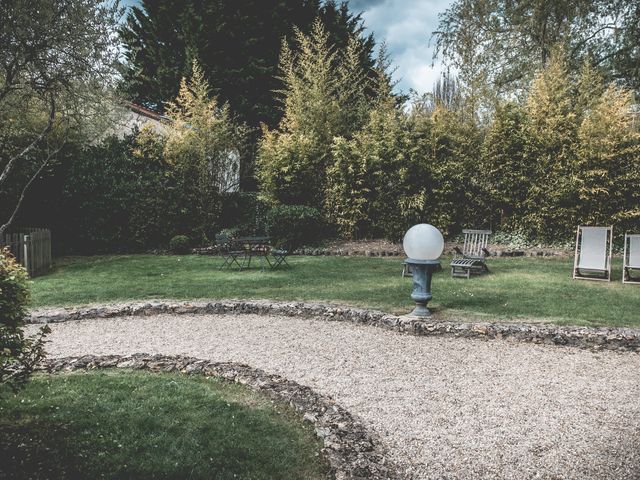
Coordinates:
[292,226]
[121,196]
[498,46]
[205,144]
[118,201]
[56,59]
[18,354]
[180,245]
[454,197]
[14,290]
[609,162]
[202,137]
[377,184]
[237,42]
[324,95]
[290,167]
[505,172]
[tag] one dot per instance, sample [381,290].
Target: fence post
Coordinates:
[26,257]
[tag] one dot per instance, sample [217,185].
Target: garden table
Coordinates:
[257,246]
[260,246]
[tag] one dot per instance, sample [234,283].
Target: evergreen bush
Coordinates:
[292,226]
[180,245]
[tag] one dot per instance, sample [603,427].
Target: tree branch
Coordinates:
[8,223]
[32,145]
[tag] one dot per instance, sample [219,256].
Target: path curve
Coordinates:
[449,408]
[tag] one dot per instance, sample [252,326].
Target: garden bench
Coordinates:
[472,257]
[593,253]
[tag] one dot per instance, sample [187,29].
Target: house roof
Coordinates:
[140,110]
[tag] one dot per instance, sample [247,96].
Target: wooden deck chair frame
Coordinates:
[631,258]
[472,258]
[406,270]
[588,261]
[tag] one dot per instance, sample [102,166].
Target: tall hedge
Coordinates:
[121,196]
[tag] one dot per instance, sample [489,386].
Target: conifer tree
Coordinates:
[322,97]
[610,162]
[507,178]
[376,185]
[237,43]
[551,152]
[203,143]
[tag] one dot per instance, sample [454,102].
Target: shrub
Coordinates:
[291,226]
[18,355]
[179,244]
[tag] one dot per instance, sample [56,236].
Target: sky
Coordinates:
[406,27]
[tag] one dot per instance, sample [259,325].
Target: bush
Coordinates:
[179,244]
[18,355]
[292,226]
[121,196]
[14,291]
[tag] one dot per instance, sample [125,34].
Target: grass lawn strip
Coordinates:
[517,289]
[115,424]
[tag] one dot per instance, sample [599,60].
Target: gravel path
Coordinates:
[448,408]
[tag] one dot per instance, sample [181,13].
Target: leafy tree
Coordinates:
[322,94]
[237,43]
[56,62]
[501,44]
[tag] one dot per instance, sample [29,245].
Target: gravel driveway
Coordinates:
[447,408]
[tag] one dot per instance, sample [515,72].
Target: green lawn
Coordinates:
[147,425]
[538,289]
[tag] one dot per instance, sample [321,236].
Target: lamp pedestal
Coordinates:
[422,271]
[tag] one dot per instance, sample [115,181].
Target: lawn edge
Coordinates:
[352,451]
[594,338]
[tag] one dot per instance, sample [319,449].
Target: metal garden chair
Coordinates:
[279,258]
[631,259]
[593,253]
[472,257]
[230,251]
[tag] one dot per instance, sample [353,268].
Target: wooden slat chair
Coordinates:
[230,251]
[472,257]
[631,259]
[593,253]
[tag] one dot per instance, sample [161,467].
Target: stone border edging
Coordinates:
[352,452]
[603,338]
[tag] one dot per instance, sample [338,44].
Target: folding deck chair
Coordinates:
[230,251]
[593,253]
[472,257]
[631,259]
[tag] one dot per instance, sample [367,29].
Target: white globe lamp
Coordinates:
[423,244]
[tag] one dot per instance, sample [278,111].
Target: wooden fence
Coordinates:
[32,248]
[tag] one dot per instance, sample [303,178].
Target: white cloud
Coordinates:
[406,26]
